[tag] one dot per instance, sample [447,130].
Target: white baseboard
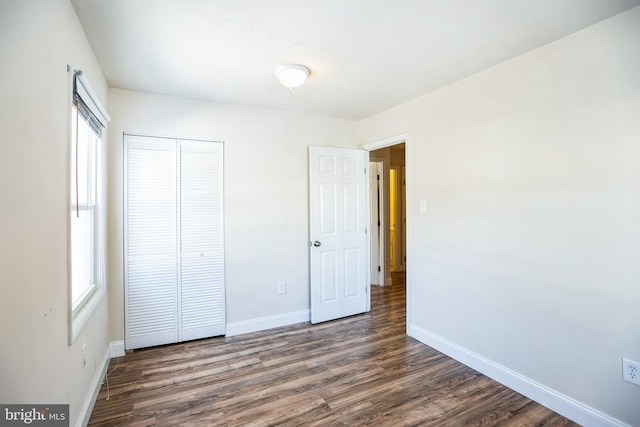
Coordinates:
[116,349]
[268,322]
[552,399]
[96,384]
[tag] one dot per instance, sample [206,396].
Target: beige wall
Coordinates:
[37,365]
[528,253]
[266,186]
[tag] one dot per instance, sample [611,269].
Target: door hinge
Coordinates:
[378,176]
[379,269]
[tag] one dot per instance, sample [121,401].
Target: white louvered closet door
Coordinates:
[201,240]
[151,279]
[174,249]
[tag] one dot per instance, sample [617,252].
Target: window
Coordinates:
[86,207]
[84,188]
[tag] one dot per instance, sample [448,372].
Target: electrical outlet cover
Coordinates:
[282,288]
[631,371]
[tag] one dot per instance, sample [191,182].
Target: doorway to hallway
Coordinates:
[388,214]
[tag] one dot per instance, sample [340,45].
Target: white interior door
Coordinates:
[338,227]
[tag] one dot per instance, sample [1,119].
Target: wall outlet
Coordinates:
[631,371]
[282,288]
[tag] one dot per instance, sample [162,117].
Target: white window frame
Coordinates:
[89,205]
[95,117]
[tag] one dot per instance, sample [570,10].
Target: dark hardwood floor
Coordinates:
[362,370]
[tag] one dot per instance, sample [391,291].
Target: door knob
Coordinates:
[316,243]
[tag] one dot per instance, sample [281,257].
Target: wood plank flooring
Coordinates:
[362,370]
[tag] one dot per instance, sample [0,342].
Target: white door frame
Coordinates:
[377,271]
[387,142]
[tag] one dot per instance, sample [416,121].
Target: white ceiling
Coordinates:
[365,55]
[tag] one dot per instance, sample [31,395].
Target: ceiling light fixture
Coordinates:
[291,75]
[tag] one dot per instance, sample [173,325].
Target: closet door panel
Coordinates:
[150,231]
[201,272]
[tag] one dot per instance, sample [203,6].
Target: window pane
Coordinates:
[82,254]
[92,166]
[86,163]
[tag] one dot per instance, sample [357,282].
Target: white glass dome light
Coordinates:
[291,75]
